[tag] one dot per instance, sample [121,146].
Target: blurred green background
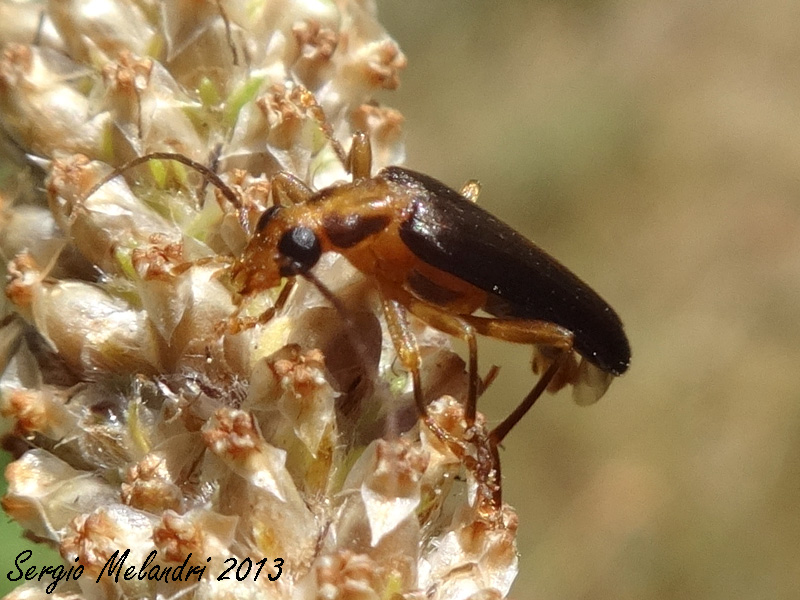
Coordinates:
[654,147]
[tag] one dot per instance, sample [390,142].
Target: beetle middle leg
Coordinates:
[457,327]
[477,450]
[408,352]
[405,345]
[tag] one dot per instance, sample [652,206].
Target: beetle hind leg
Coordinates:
[499,433]
[553,358]
[488,379]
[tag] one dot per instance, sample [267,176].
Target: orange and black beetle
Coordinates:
[433,252]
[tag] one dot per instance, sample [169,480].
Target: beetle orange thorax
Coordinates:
[360,221]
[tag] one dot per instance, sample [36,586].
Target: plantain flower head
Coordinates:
[160,420]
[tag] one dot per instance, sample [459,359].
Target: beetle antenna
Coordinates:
[213,165]
[310,102]
[207,173]
[228,35]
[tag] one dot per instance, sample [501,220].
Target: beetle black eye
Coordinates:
[266,216]
[301,247]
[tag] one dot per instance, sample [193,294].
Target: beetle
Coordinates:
[433,252]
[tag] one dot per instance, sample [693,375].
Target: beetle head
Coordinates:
[282,246]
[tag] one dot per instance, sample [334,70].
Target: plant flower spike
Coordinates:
[174,436]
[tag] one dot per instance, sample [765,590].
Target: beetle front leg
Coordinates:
[236,323]
[287,187]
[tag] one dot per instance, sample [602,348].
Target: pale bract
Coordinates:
[141,416]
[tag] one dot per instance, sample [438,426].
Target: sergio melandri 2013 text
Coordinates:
[115,568]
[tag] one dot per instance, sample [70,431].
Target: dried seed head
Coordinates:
[162,411]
